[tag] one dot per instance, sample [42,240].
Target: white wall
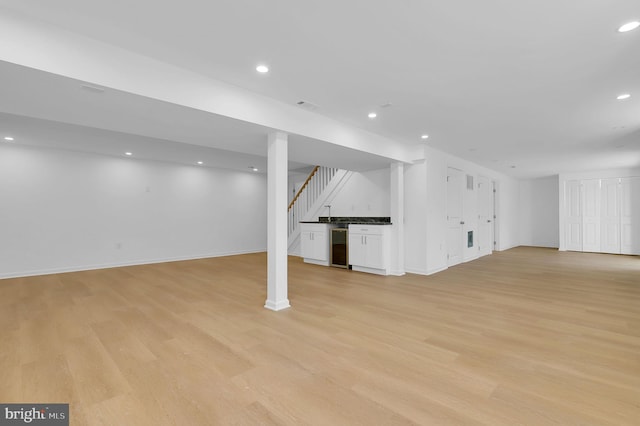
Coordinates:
[428,181]
[436,214]
[415,223]
[364,194]
[539,225]
[63,211]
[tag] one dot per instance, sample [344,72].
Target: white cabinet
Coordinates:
[357,253]
[314,243]
[369,248]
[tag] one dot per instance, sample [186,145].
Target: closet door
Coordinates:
[610,216]
[470,218]
[573,211]
[591,215]
[630,215]
[455,218]
[485,216]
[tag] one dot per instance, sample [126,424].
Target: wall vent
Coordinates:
[307,105]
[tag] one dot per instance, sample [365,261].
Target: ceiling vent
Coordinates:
[307,105]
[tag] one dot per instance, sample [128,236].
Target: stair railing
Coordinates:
[308,193]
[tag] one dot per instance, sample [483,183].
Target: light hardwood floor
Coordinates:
[528,336]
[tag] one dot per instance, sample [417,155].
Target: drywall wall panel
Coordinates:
[415,218]
[539,212]
[64,211]
[364,194]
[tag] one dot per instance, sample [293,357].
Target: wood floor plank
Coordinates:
[529,336]
[10,366]
[47,380]
[95,375]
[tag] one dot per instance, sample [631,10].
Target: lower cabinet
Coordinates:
[369,248]
[314,243]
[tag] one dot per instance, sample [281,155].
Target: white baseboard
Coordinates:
[422,271]
[369,270]
[470,259]
[277,306]
[436,270]
[416,271]
[79,268]
[316,262]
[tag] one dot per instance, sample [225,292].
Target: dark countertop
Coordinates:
[355,220]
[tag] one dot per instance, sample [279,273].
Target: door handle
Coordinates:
[462,223]
[488,220]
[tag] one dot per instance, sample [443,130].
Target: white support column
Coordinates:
[277,166]
[397,218]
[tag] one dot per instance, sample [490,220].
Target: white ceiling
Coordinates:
[47,110]
[529,84]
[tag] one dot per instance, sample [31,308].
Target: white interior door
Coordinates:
[469,218]
[573,211]
[485,216]
[610,216]
[454,216]
[630,215]
[591,215]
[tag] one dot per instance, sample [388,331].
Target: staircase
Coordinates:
[318,190]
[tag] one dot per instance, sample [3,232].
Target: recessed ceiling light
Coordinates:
[623,96]
[372,115]
[424,136]
[629,26]
[8,138]
[255,169]
[128,154]
[262,69]
[200,162]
